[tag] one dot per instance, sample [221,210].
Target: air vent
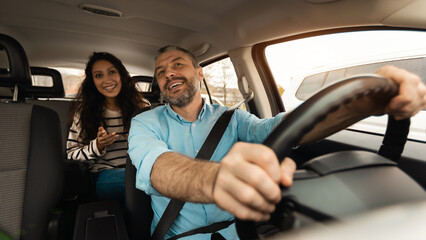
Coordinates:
[107,12]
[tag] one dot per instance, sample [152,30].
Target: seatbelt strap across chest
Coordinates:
[205,153]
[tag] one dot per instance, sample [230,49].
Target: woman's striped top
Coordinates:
[114,156]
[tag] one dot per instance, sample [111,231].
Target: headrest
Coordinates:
[18,71]
[154,86]
[141,78]
[55,91]
[148,79]
[153,94]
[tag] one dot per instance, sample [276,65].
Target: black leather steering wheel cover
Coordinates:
[305,117]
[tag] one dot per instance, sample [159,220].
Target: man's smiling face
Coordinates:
[177,77]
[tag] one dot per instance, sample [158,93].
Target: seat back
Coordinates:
[138,204]
[54,91]
[62,108]
[30,156]
[42,96]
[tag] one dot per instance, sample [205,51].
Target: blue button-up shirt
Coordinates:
[161,130]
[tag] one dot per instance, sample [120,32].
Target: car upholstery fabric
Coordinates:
[62,108]
[13,164]
[31,169]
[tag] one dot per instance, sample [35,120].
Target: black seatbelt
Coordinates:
[395,138]
[213,228]
[204,153]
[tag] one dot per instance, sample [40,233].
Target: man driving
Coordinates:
[242,177]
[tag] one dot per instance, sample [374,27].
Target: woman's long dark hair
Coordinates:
[90,103]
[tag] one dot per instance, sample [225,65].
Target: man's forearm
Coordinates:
[177,176]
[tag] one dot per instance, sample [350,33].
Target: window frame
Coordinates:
[206,85]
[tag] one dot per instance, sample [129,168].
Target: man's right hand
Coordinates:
[247,182]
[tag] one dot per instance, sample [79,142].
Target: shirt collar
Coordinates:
[178,118]
[203,110]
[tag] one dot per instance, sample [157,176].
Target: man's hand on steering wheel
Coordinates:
[412,93]
[247,184]
[410,99]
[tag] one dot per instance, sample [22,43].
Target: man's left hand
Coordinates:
[412,93]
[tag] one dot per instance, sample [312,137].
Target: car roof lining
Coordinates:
[224,25]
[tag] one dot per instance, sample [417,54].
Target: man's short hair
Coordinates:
[169,48]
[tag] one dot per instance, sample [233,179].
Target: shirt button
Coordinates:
[198,150]
[193,124]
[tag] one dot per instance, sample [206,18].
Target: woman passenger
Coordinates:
[100,121]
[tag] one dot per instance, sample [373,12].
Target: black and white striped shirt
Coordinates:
[114,156]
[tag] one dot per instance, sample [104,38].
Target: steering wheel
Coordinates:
[306,123]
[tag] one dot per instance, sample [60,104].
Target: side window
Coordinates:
[415,65]
[143,86]
[42,81]
[222,83]
[314,82]
[72,79]
[332,76]
[310,84]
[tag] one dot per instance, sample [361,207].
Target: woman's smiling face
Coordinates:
[106,79]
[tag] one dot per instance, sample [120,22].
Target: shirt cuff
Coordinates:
[143,174]
[95,148]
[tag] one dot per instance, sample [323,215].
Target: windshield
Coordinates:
[304,66]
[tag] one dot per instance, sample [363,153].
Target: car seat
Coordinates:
[31,170]
[138,204]
[34,93]
[153,94]
[78,182]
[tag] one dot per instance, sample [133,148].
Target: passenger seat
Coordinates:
[42,96]
[31,163]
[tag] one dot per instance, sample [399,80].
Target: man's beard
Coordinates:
[185,97]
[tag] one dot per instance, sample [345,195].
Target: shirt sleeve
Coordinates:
[145,146]
[76,150]
[254,130]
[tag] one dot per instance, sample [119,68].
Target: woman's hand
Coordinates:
[105,139]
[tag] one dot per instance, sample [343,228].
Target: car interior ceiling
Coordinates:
[271,22]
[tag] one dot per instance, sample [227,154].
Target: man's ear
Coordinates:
[200,73]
